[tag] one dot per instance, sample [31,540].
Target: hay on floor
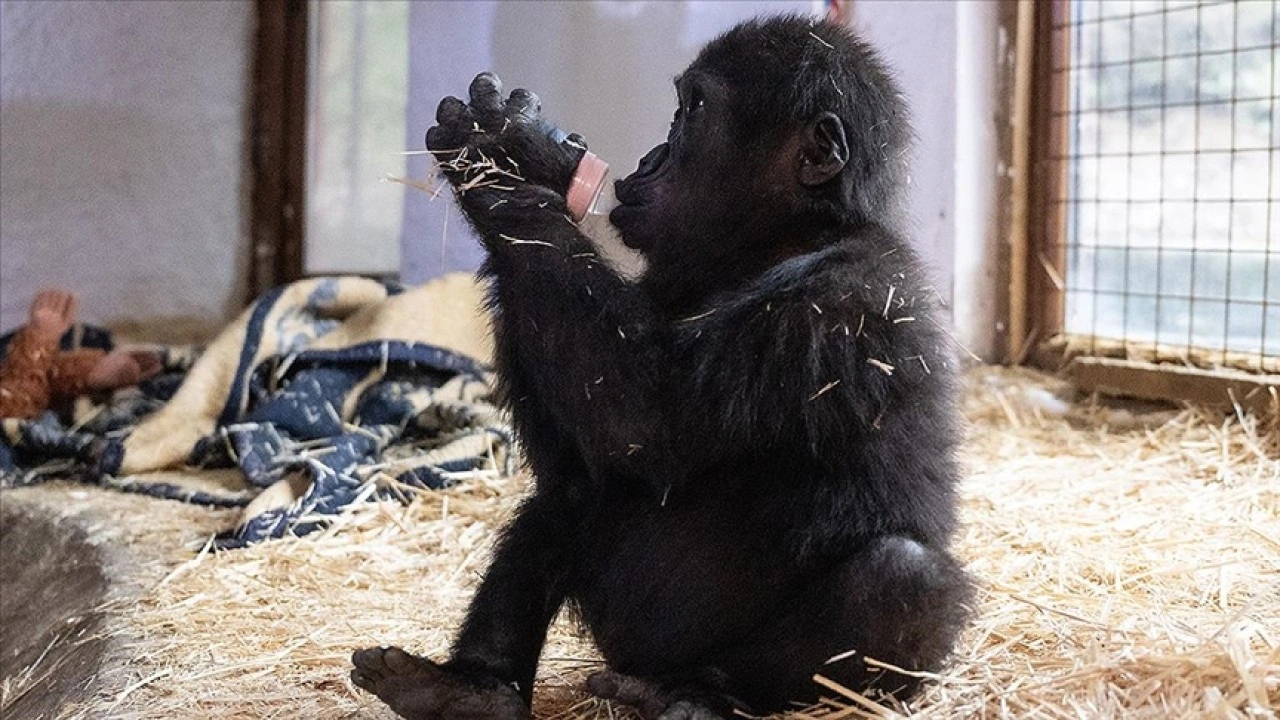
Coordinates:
[1129,565]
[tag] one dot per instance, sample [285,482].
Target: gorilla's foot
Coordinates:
[655,700]
[419,689]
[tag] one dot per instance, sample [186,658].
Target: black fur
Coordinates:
[745,462]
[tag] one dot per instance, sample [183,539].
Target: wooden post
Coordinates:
[278,155]
[1045,256]
[1020,168]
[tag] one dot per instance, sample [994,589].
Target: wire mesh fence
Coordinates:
[1172,167]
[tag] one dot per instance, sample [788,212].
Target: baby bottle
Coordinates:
[589,192]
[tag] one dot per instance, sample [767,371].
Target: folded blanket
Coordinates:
[324,392]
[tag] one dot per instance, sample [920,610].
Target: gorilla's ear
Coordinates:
[824,150]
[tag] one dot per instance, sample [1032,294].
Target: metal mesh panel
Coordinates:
[1173,178]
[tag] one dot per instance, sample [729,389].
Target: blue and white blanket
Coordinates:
[324,392]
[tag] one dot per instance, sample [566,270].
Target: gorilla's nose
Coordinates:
[652,160]
[629,190]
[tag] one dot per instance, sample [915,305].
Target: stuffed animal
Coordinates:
[35,375]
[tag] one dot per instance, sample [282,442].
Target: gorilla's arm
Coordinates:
[575,337]
[575,344]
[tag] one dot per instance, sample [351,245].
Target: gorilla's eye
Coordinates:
[696,101]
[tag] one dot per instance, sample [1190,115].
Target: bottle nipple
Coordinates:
[605,202]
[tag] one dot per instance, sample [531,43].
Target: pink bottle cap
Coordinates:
[586,185]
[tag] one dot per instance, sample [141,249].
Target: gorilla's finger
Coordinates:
[576,140]
[441,142]
[524,102]
[486,93]
[451,111]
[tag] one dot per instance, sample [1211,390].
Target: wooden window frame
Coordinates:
[279,143]
[1036,232]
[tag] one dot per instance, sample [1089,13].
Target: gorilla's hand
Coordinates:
[495,142]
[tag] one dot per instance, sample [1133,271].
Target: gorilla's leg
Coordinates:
[490,674]
[896,601]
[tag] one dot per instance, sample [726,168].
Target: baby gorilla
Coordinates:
[744,461]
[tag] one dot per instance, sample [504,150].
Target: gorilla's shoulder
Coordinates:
[867,258]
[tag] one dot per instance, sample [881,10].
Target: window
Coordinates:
[358,70]
[1168,180]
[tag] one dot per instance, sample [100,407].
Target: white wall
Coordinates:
[944,55]
[918,41]
[977,282]
[123,136]
[123,145]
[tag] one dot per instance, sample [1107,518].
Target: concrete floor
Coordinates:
[51,613]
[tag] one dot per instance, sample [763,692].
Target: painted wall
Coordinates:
[123,146]
[981,48]
[917,40]
[123,134]
[945,56]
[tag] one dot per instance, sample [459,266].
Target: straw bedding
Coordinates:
[1129,564]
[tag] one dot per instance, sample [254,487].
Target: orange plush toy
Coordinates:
[35,374]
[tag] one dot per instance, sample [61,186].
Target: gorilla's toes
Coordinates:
[651,698]
[689,710]
[395,676]
[646,696]
[418,689]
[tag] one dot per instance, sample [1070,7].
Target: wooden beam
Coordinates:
[1045,254]
[1020,177]
[278,154]
[1214,388]
[1056,353]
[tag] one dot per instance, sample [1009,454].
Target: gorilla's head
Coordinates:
[788,131]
